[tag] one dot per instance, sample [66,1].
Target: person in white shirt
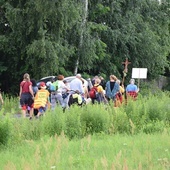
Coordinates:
[76,91]
[62,88]
[77,85]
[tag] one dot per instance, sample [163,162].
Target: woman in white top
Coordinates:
[62,88]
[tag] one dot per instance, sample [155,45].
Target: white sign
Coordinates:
[140,73]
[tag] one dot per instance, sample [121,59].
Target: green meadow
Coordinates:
[135,136]
[141,151]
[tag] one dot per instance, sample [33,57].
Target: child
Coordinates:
[41,101]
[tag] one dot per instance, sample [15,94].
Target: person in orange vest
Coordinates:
[41,101]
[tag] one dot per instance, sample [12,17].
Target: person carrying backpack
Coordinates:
[58,96]
[41,100]
[96,93]
[53,87]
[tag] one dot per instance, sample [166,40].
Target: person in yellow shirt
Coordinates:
[119,95]
[41,100]
[100,92]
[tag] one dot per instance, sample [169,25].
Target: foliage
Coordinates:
[73,123]
[54,123]
[95,119]
[148,114]
[11,104]
[5,130]
[92,152]
[121,122]
[49,37]
[153,127]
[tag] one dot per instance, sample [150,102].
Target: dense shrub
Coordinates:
[53,122]
[154,127]
[121,122]
[5,130]
[95,119]
[30,129]
[73,123]
[11,104]
[148,114]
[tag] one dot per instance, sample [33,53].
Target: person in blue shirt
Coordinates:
[76,91]
[112,88]
[132,89]
[77,85]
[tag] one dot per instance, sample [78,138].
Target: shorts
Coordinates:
[26,100]
[42,109]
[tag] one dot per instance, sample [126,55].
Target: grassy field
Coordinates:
[135,136]
[97,152]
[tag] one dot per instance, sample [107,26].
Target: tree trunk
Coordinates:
[83,23]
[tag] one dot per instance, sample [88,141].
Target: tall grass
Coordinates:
[11,105]
[148,114]
[98,152]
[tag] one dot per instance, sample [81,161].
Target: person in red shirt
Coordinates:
[26,95]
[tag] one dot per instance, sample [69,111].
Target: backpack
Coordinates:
[93,92]
[53,86]
[35,89]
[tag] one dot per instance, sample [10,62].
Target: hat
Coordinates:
[42,85]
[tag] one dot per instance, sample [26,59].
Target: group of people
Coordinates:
[65,94]
[114,90]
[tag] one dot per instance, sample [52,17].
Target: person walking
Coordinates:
[62,89]
[86,97]
[100,94]
[34,86]
[132,90]
[26,95]
[76,94]
[77,85]
[119,96]
[42,102]
[112,88]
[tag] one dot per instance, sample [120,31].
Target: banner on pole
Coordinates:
[139,73]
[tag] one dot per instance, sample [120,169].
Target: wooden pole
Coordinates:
[126,63]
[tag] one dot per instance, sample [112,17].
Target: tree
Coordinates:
[137,30]
[48,37]
[34,39]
